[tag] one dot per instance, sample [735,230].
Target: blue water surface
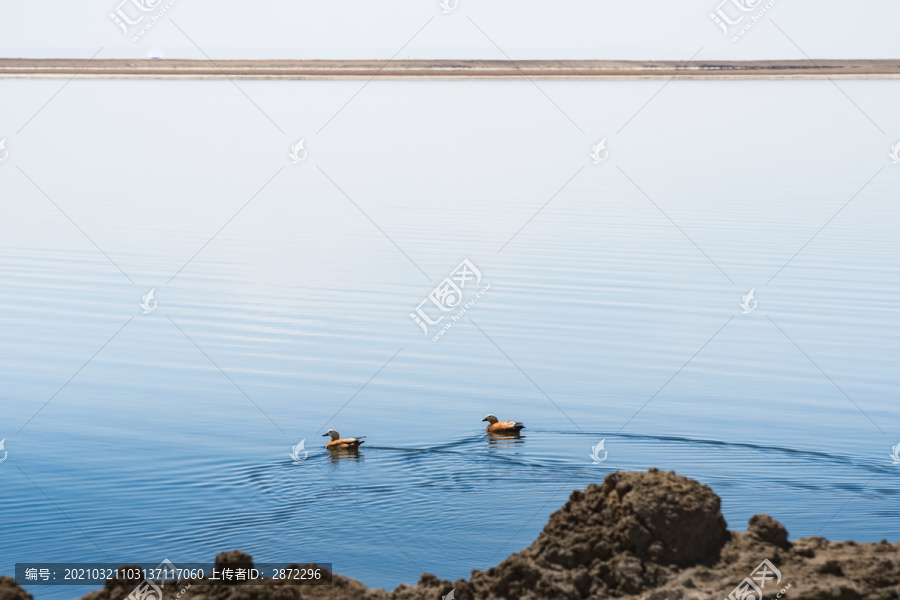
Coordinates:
[284,293]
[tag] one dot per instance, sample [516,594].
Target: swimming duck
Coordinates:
[337,443]
[497,426]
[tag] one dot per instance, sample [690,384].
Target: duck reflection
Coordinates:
[504,441]
[339,454]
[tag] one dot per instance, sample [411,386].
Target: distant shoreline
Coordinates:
[446,69]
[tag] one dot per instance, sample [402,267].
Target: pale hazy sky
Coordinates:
[596,29]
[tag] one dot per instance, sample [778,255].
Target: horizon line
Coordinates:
[325,69]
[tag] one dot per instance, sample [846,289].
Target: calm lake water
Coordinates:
[613,314]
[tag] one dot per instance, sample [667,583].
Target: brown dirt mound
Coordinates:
[660,536]
[612,539]
[9,590]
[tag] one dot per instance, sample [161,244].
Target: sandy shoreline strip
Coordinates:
[447,69]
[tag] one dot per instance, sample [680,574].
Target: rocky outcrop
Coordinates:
[10,591]
[623,537]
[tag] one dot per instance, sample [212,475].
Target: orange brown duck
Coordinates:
[337,443]
[495,425]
